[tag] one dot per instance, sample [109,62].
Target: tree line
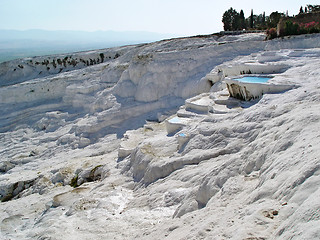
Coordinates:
[233,20]
[309,9]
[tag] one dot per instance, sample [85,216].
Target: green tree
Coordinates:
[227,19]
[274,19]
[231,20]
[251,19]
[313,8]
[242,20]
[301,10]
[263,21]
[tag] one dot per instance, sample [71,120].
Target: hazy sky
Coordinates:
[180,17]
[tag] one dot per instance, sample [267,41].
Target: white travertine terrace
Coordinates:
[85,153]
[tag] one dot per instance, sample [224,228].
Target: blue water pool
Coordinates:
[253,79]
[175,120]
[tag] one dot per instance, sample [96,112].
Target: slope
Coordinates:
[248,172]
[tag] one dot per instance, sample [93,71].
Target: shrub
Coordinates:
[102,57]
[74,181]
[291,28]
[314,30]
[271,33]
[311,27]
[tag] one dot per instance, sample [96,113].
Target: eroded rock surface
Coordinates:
[86,154]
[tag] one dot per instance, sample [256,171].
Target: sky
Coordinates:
[176,17]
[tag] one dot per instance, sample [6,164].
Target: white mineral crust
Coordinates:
[83,156]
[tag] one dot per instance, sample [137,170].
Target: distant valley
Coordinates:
[19,44]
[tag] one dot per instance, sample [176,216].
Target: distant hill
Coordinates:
[17,44]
